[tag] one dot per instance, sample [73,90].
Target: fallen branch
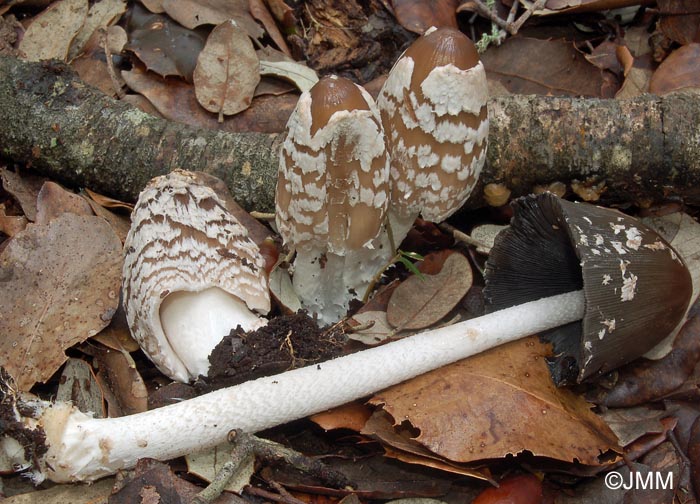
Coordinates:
[637,151]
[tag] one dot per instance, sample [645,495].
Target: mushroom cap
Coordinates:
[434,112]
[637,288]
[333,185]
[183,240]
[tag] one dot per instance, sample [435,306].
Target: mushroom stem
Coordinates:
[83,448]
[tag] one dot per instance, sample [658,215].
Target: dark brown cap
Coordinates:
[637,288]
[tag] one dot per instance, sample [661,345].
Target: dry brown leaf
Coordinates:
[120,223]
[53,201]
[117,335]
[498,403]
[61,284]
[118,373]
[546,67]
[193,13]
[681,70]
[92,66]
[50,34]
[421,301]
[11,224]
[227,71]
[101,14]
[24,189]
[419,15]
[398,443]
[79,386]
[680,20]
[636,83]
[260,12]
[352,416]
[176,101]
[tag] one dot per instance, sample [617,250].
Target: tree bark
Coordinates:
[639,151]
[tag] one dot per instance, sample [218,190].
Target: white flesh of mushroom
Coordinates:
[191,274]
[83,448]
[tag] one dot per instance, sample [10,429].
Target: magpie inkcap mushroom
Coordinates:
[636,287]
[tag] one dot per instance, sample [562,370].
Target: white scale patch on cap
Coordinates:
[431,140]
[634,238]
[629,282]
[312,176]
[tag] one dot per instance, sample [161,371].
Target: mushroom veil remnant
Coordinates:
[191,274]
[332,195]
[434,112]
[68,445]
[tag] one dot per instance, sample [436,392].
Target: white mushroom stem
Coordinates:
[83,448]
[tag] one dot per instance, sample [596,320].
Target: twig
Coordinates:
[529,9]
[259,492]
[216,487]
[262,215]
[463,237]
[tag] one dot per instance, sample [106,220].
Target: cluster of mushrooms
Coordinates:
[347,167]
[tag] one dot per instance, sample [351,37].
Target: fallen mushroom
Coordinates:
[434,113]
[190,275]
[332,195]
[59,442]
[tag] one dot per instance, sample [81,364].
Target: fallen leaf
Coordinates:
[498,403]
[176,101]
[546,67]
[101,14]
[398,443]
[24,189]
[94,493]
[162,45]
[118,374]
[206,465]
[50,33]
[53,201]
[62,286]
[518,489]
[92,66]
[79,387]
[650,380]
[629,424]
[680,70]
[120,223]
[680,20]
[636,83]
[259,11]
[107,202]
[227,71]
[283,291]
[193,13]
[299,74]
[351,416]
[421,301]
[419,15]
[11,224]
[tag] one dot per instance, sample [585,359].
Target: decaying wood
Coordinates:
[640,150]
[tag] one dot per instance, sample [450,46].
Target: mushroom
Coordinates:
[190,275]
[649,286]
[434,114]
[332,195]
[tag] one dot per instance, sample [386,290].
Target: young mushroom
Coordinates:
[191,274]
[434,114]
[332,195]
[634,279]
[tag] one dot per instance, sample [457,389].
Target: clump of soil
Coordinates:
[287,342]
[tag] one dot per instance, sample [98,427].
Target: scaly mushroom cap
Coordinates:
[332,189]
[637,288]
[190,275]
[433,109]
